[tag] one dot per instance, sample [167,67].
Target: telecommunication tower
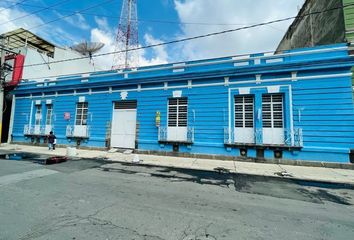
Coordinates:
[127,37]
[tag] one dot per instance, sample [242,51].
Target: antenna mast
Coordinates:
[127,37]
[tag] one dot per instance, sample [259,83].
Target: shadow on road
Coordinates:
[315,192]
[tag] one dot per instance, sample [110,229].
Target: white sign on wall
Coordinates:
[177,94]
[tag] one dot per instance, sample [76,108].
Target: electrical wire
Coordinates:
[34,12]
[195,37]
[144,20]
[70,15]
[13,5]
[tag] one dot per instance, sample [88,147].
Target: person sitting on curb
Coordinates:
[52,139]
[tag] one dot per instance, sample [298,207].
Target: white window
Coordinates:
[81,113]
[244,111]
[177,119]
[244,119]
[273,119]
[38,116]
[177,112]
[38,120]
[272,109]
[49,114]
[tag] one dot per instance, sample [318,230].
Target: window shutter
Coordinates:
[178,112]
[272,111]
[244,113]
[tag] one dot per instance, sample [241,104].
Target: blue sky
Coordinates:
[160,20]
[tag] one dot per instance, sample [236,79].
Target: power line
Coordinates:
[13,5]
[34,12]
[198,37]
[143,20]
[69,15]
[146,20]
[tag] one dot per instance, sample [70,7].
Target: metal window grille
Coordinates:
[81,113]
[272,111]
[131,104]
[49,114]
[177,112]
[244,111]
[38,115]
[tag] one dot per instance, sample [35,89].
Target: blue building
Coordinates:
[296,104]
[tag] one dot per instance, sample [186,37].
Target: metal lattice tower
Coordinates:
[127,37]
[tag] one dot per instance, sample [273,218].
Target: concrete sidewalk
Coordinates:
[342,176]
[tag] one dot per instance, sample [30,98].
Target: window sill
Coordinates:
[35,135]
[78,137]
[172,142]
[263,146]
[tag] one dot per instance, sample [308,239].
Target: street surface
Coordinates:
[87,199]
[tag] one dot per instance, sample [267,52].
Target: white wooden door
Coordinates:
[123,129]
[273,119]
[244,119]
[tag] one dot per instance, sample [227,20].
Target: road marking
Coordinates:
[18,177]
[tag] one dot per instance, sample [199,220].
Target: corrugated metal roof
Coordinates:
[19,37]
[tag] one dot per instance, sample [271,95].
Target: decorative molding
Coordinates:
[124,95]
[189,83]
[244,90]
[221,83]
[273,89]
[258,78]
[227,79]
[294,76]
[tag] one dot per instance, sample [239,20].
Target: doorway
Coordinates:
[123,131]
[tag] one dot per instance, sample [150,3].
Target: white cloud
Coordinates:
[102,23]
[8,14]
[77,20]
[232,12]
[100,35]
[160,55]
[57,35]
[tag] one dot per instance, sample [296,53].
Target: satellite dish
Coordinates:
[88,48]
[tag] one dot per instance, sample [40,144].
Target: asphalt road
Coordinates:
[86,200]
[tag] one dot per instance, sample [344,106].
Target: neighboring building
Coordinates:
[326,27]
[294,105]
[38,50]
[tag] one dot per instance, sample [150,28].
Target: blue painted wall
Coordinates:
[317,99]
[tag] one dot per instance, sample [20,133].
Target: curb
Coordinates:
[300,163]
[338,184]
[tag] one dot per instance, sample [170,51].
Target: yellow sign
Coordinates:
[158,119]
